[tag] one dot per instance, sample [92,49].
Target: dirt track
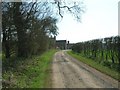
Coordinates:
[71,73]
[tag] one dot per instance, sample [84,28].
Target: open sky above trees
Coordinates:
[99,20]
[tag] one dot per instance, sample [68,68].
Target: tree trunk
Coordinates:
[22,43]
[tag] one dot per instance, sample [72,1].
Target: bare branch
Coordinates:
[58,4]
[74,8]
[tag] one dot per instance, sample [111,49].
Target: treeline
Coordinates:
[105,50]
[27,28]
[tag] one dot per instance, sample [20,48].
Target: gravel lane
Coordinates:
[68,72]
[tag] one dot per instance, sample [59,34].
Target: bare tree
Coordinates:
[60,7]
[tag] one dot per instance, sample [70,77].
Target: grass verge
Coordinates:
[114,74]
[34,72]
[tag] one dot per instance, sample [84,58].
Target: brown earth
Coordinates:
[67,72]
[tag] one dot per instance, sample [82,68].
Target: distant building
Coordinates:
[61,44]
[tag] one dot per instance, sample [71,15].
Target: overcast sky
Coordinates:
[100,20]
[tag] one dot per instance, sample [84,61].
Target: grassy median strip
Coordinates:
[114,74]
[31,73]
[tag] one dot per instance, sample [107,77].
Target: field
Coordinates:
[101,67]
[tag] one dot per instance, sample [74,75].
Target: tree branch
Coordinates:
[58,4]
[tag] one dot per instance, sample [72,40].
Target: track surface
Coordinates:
[71,73]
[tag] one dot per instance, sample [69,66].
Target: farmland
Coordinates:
[102,51]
